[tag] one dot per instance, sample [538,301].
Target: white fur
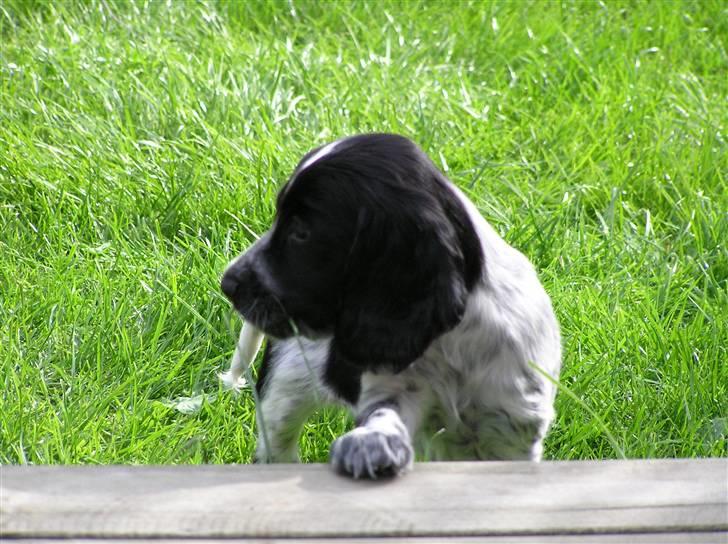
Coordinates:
[291,396]
[318,155]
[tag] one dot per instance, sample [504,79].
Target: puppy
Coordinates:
[381,287]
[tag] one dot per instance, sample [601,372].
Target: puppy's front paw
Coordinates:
[368,453]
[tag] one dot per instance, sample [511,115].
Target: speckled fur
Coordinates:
[473,395]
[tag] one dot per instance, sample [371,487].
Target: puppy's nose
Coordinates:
[229,285]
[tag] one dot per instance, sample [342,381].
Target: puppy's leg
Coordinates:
[388,412]
[289,390]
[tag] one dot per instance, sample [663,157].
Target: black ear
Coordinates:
[408,280]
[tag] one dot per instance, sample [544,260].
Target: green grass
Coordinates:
[141,143]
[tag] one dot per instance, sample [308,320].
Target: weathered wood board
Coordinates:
[638,538]
[586,501]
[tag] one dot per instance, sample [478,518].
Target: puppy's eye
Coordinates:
[299,234]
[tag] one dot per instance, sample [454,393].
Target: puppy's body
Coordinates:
[424,322]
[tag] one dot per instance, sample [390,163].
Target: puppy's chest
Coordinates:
[471,430]
[467,416]
[460,381]
[455,402]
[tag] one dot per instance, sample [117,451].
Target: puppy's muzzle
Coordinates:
[242,286]
[230,284]
[257,303]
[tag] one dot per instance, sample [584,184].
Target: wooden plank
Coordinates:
[641,538]
[309,501]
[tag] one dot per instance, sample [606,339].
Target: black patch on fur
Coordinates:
[413,261]
[265,368]
[345,379]
[365,414]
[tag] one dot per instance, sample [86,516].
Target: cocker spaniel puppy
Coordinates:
[381,287]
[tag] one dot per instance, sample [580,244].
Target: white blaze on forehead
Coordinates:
[328,148]
[318,155]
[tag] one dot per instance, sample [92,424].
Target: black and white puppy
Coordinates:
[381,287]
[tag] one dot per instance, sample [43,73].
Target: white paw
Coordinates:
[368,453]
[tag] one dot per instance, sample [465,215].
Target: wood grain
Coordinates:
[634,538]
[497,499]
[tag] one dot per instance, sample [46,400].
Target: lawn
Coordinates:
[142,144]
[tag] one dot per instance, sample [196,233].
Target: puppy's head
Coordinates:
[370,246]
